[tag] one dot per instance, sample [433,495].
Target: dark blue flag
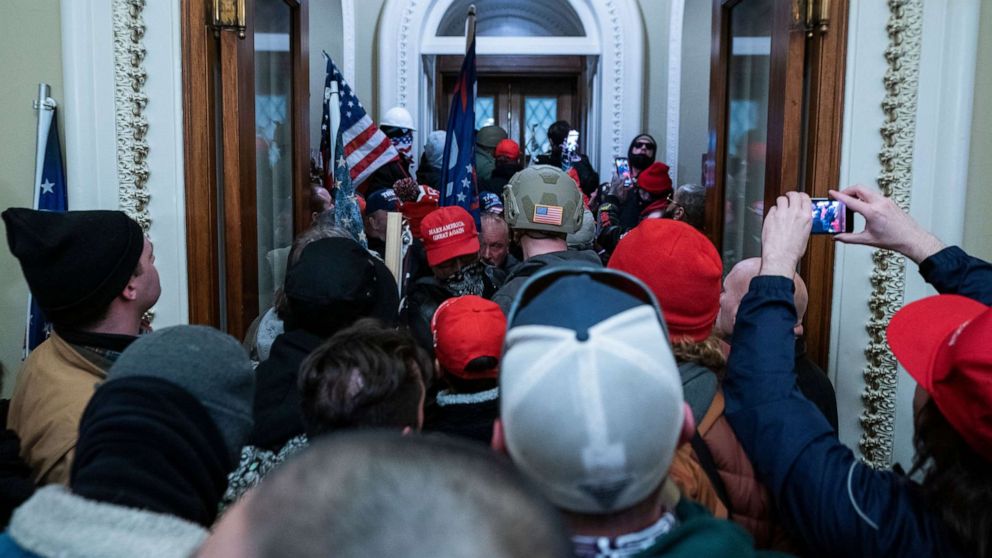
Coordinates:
[50,196]
[458,180]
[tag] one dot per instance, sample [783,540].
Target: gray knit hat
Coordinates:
[210,365]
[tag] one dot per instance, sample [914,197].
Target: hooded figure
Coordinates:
[429,172]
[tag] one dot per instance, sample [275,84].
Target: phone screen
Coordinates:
[572,143]
[623,169]
[830,217]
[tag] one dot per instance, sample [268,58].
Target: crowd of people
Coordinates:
[574,374]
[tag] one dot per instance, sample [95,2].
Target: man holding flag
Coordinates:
[458,178]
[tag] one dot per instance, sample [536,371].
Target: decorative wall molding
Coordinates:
[615,34]
[888,277]
[130,102]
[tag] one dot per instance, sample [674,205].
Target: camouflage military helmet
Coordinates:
[542,198]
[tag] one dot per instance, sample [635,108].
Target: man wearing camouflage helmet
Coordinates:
[542,206]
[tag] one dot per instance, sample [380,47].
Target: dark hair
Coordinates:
[475,385]
[364,376]
[957,482]
[557,133]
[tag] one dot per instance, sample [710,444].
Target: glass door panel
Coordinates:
[748,79]
[273,144]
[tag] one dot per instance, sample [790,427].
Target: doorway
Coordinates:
[524,95]
[776,100]
[245,106]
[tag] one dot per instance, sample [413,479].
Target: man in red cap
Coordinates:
[452,245]
[684,271]
[507,155]
[840,505]
[623,209]
[468,339]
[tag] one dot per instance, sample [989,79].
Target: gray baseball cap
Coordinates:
[590,394]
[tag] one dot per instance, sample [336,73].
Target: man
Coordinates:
[641,153]
[812,381]
[507,164]
[398,126]
[452,246]
[495,243]
[381,494]
[542,206]
[592,412]
[366,375]
[156,442]
[688,204]
[557,136]
[842,506]
[468,339]
[624,206]
[320,202]
[378,205]
[486,140]
[331,283]
[93,275]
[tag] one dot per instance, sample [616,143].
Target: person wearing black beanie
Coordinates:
[150,468]
[93,275]
[156,444]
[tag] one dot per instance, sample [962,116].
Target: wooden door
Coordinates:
[776,99]
[521,94]
[247,155]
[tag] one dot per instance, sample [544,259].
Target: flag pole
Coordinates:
[470,27]
[45,106]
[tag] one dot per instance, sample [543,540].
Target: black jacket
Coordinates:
[505,296]
[277,409]
[468,415]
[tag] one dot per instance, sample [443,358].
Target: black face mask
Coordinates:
[640,161]
[467,281]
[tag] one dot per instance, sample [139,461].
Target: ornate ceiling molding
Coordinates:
[888,277]
[130,100]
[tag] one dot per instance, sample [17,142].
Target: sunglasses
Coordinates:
[644,145]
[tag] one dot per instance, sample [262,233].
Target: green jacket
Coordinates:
[698,534]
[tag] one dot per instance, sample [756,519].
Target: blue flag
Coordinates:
[50,196]
[458,179]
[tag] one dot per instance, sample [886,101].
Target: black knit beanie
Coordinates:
[75,262]
[146,443]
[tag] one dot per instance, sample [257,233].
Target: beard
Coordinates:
[640,161]
[468,281]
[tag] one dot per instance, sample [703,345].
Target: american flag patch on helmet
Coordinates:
[547,215]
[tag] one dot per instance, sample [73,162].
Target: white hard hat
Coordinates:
[398,117]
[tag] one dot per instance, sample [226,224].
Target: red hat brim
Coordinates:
[919,330]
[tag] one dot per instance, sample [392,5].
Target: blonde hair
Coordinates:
[707,352]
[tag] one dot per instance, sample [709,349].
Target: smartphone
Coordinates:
[623,170]
[831,217]
[572,142]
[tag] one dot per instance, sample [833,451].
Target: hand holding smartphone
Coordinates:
[831,217]
[623,171]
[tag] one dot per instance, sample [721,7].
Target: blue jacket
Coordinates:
[839,505]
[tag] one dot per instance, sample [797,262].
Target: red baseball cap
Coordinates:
[683,270]
[507,148]
[466,328]
[943,342]
[448,232]
[655,179]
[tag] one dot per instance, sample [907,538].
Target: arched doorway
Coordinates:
[608,34]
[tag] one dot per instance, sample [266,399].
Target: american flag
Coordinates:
[360,149]
[547,215]
[366,148]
